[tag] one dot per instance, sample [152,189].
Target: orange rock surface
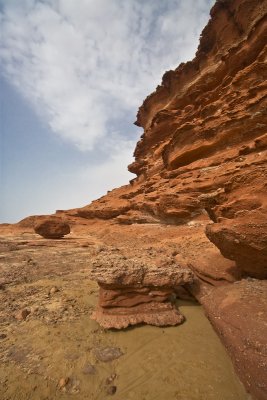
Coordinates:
[204,146]
[137,290]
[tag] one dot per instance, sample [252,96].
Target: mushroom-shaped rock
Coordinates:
[52,228]
[137,290]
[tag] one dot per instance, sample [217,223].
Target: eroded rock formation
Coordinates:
[52,228]
[137,290]
[243,240]
[205,136]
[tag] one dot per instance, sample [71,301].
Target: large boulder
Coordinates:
[244,240]
[52,228]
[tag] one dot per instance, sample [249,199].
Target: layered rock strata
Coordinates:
[204,146]
[243,240]
[137,290]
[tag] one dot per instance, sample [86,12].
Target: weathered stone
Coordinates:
[111,390]
[129,297]
[63,382]
[52,228]
[157,314]
[3,335]
[107,354]
[111,378]
[213,268]
[89,369]
[22,314]
[238,313]
[137,290]
[53,290]
[244,240]
[116,270]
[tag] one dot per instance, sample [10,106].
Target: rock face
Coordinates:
[204,146]
[238,313]
[137,290]
[243,240]
[52,228]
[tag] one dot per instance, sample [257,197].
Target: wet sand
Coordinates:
[187,362]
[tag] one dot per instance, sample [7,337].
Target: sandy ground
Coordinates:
[59,352]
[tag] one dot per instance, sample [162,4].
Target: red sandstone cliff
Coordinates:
[205,138]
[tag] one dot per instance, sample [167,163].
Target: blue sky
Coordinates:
[72,76]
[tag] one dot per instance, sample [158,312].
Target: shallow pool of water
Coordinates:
[187,362]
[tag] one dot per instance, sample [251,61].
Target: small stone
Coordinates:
[75,386]
[111,390]
[63,382]
[89,369]
[110,379]
[72,356]
[107,354]
[100,248]
[3,335]
[53,290]
[22,314]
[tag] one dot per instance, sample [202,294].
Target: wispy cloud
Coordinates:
[86,65]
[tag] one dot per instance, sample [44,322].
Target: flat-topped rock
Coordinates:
[137,290]
[117,270]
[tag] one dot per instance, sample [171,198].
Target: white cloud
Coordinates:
[85,64]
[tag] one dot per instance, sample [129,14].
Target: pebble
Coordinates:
[100,248]
[110,379]
[53,290]
[107,354]
[72,356]
[111,390]
[63,382]
[34,309]
[22,314]
[89,369]
[3,335]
